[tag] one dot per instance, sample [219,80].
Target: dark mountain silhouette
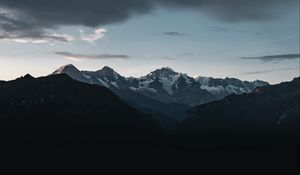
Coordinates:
[58,109]
[270,114]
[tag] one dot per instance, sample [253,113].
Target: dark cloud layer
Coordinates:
[37,15]
[270,58]
[98,56]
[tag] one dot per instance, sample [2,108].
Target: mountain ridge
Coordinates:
[166,85]
[163,93]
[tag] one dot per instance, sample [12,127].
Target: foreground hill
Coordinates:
[271,113]
[102,129]
[59,109]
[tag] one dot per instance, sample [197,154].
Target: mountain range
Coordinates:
[57,115]
[163,93]
[165,84]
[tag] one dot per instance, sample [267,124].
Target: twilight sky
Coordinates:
[219,38]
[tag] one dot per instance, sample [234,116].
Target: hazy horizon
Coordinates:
[139,76]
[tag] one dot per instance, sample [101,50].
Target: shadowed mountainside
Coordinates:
[270,114]
[59,109]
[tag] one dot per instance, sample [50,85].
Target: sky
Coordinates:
[244,39]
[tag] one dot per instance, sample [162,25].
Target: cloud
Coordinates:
[220,29]
[267,71]
[80,57]
[186,54]
[168,58]
[32,38]
[172,34]
[38,15]
[271,58]
[98,34]
[20,29]
[225,29]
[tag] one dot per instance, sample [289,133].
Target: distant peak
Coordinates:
[296,79]
[201,77]
[69,66]
[106,68]
[107,71]
[66,68]
[26,77]
[259,83]
[166,69]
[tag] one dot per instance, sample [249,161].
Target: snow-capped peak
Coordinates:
[71,71]
[163,72]
[166,69]
[66,69]
[107,71]
[185,77]
[202,80]
[259,83]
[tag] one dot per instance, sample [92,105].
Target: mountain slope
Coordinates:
[59,109]
[169,86]
[166,114]
[271,113]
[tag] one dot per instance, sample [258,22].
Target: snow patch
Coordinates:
[167,84]
[203,80]
[232,89]
[87,76]
[103,82]
[213,89]
[143,89]
[115,84]
[133,88]
[146,83]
